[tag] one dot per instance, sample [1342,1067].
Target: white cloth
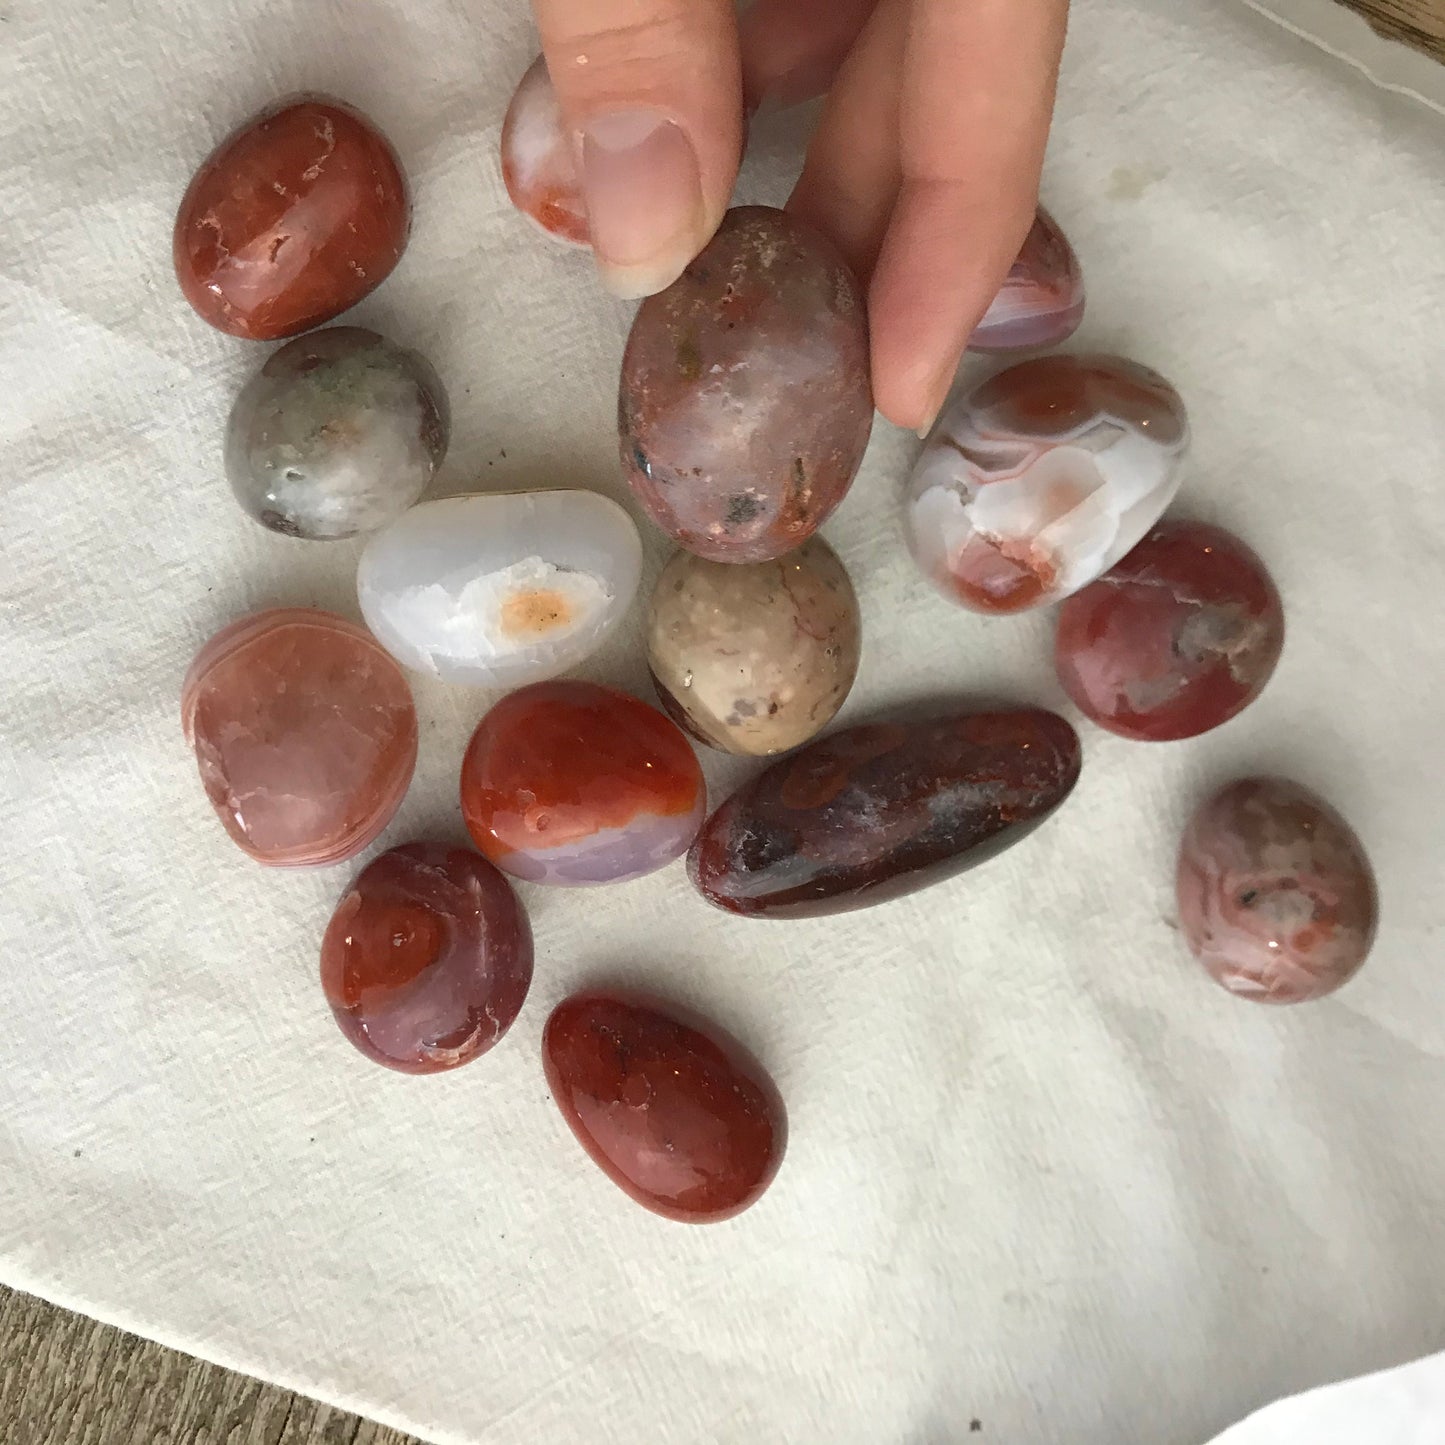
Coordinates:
[1394,1407]
[1043,1175]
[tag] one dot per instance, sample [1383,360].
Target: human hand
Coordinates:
[923,170]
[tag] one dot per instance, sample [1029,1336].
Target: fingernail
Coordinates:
[643,191]
[933,406]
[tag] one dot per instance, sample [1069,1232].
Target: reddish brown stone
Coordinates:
[292,220]
[427,959]
[673,1110]
[883,809]
[745,403]
[1176,639]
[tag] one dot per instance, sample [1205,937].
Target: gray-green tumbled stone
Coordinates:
[338,434]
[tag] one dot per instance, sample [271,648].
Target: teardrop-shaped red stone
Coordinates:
[673,1110]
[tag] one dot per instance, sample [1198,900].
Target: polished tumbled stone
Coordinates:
[338,434]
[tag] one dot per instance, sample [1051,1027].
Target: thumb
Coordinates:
[651,93]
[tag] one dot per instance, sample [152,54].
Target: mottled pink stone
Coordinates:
[305,733]
[1276,896]
[745,402]
[1041,303]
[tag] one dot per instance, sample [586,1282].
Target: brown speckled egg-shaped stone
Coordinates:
[754,659]
[745,402]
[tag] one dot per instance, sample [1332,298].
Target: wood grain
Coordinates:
[66,1380]
[1420,23]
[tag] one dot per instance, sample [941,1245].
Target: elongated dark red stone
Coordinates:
[673,1110]
[883,809]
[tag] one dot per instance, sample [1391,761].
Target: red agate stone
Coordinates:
[1176,639]
[572,783]
[673,1110]
[305,734]
[292,220]
[427,959]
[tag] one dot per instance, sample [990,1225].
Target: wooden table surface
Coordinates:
[1420,23]
[66,1380]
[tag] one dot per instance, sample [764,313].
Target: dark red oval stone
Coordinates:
[745,403]
[884,809]
[427,960]
[292,219]
[674,1111]
[1176,639]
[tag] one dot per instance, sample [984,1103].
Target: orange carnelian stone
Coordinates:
[304,731]
[291,220]
[572,783]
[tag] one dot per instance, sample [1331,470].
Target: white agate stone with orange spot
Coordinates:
[503,589]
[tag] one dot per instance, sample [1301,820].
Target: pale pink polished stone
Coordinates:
[305,733]
[538,165]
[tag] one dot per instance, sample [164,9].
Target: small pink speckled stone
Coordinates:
[1276,896]
[305,733]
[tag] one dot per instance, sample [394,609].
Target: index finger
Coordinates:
[977,98]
